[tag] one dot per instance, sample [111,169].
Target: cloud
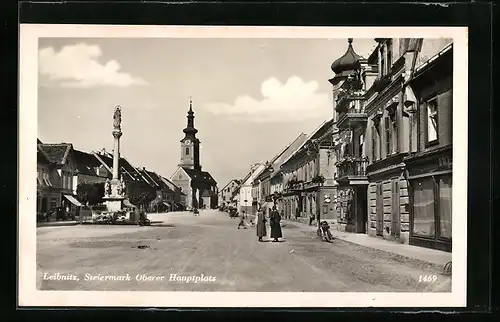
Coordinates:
[295,100]
[78,66]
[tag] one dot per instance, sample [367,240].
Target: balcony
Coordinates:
[352,171]
[352,117]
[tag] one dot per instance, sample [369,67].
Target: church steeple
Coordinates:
[190,130]
[190,145]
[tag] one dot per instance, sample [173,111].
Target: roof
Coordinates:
[127,170]
[85,162]
[38,141]
[41,157]
[348,61]
[56,153]
[237,181]
[169,183]
[313,135]
[207,193]
[290,149]
[199,175]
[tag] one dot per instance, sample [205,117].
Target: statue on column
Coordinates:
[107,187]
[117,117]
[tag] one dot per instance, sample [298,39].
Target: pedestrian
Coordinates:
[242,220]
[297,213]
[274,221]
[311,219]
[282,214]
[261,225]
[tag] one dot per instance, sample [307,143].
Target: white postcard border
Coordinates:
[28,93]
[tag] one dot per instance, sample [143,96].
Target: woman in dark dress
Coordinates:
[261,225]
[275,220]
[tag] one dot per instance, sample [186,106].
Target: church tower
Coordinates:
[190,145]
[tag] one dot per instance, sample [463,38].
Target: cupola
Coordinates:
[349,61]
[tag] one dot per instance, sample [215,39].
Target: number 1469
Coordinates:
[427,278]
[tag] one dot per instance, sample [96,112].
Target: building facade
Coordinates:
[429,103]
[245,191]
[189,176]
[380,135]
[56,168]
[309,186]
[225,194]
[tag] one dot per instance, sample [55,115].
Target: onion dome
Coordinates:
[349,61]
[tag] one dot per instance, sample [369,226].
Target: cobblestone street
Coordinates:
[211,244]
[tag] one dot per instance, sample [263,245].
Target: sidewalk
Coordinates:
[57,223]
[432,256]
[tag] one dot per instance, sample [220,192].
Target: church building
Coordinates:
[199,186]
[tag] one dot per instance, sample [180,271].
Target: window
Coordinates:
[431,120]
[382,60]
[389,55]
[387,136]
[46,179]
[187,151]
[445,207]
[423,208]
[374,144]
[361,142]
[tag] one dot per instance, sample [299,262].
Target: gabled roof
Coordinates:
[290,149]
[38,141]
[199,175]
[237,181]
[309,138]
[86,163]
[56,153]
[41,157]
[126,169]
[172,186]
[207,193]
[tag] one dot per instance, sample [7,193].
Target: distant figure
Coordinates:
[261,225]
[311,219]
[275,220]
[242,220]
[282,214]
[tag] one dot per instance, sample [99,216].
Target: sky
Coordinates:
[251,97]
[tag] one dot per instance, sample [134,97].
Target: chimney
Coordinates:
[143,168]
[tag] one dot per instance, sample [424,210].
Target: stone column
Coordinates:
[116,154]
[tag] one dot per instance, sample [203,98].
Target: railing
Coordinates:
[352,167]
[357,109]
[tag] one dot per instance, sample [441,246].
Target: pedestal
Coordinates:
[114,201]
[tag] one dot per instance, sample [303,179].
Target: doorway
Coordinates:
[380,210]
[362,211]
[395,220]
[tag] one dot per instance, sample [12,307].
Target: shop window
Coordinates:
[445,214]
[431,107]
[423,208]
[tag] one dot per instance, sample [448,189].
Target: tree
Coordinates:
[90,194]
[140,193]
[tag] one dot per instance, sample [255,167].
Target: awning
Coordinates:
[167,204]
[127,203]
[73,200]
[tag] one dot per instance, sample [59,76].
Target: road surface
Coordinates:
[212,250]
